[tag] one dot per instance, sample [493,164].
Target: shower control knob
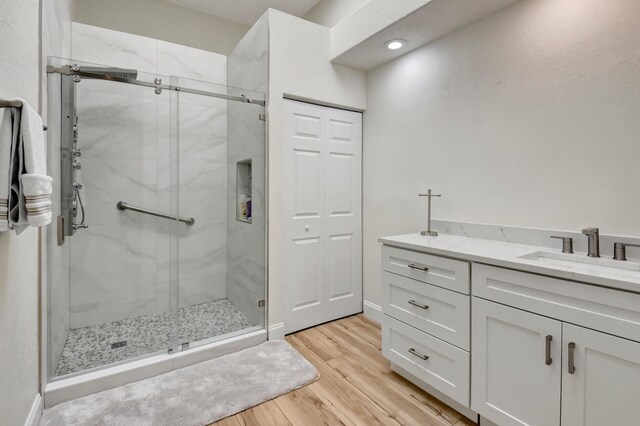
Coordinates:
[77,153]
[77,185]
[307,228]
[77,165]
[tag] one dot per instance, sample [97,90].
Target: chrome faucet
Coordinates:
[620,250]
[594,241]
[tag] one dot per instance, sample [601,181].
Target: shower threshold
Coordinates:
[96,346]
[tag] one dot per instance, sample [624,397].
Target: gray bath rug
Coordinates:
[195,395]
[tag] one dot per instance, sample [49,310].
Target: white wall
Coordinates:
[19,76]
[248,68]
[331,12]
[298,66]
[528,117]
[161,20]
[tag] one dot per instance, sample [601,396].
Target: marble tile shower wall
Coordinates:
[121,263]
[56,41]
[248,68]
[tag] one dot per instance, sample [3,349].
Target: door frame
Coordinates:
[320,103]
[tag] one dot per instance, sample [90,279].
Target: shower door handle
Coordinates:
[121,205]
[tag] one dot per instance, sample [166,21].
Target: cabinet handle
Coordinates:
[419,355]
[572,362]
[421,268]
[547,352]
[414,303]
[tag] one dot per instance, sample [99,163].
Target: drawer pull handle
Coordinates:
[547,352]
[421,268]
[414,303]
[419,355]
[572,362]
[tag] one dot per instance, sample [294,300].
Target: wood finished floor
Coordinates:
[356,385]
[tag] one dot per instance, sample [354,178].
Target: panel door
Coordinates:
[323,225]
[515,379]
[604,386]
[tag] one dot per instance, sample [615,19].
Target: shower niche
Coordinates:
[244,202]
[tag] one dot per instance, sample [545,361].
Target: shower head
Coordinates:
[111,72]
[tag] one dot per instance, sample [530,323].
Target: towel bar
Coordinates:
[16,104]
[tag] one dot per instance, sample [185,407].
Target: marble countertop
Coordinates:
[508,255]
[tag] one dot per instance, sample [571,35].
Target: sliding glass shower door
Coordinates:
[116,164]
[159,243]
[221,261]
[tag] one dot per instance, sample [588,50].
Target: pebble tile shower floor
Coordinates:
[90,347]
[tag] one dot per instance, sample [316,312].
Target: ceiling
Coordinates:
[247,11]
[431,21]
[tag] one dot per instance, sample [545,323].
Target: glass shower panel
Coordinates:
[221,282]
[159,192]
[115,152]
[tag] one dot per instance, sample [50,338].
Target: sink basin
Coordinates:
[581,261]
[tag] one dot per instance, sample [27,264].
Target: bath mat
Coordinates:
[195,395]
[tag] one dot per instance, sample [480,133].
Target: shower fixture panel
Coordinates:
[70,154]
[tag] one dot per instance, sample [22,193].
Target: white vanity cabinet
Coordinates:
[536,370]
[516,345]
[604,387]
[516,365]
[425,326]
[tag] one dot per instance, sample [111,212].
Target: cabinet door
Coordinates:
[515,367]
[604,385]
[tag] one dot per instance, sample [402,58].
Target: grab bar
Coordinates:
[124,206]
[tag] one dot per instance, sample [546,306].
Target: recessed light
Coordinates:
[395,44]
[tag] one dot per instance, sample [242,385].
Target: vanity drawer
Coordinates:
[440,271]
[447,368]
[611,311]
[442,313]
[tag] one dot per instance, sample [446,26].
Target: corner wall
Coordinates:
[528,117]
[19,77]
[299,66]
[248,68]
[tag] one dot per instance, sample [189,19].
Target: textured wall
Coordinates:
[331,12]
[19,76]
[298,66]
[528,117]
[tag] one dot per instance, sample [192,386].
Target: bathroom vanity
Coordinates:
[517,333]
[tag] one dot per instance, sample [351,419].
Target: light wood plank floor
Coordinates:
[356,385]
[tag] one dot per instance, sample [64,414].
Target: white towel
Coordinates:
[29,187]
[36,186]
[6,126]
[17,211]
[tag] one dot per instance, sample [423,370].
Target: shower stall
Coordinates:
[158,242]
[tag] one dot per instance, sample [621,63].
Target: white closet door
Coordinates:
[323,191]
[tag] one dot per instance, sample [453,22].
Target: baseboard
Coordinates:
[276,331]
[372,311]
[35,414]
